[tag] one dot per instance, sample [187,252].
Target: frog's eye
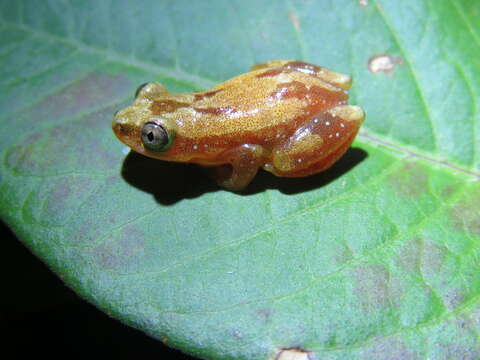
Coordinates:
[154,136]
[158,134]
[140,88]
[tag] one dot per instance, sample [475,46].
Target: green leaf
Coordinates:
[377,258]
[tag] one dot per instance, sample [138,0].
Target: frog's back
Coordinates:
[272,99]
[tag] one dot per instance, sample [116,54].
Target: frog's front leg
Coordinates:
[318,143]
[244,162]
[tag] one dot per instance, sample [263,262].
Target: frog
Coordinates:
[288,117]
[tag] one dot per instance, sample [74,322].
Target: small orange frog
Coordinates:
[289,117]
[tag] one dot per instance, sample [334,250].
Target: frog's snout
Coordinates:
[123,129]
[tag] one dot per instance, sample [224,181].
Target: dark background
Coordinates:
[40,314]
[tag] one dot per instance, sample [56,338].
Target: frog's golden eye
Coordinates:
[158,134]
[140,88]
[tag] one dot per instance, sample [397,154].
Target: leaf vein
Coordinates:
[375,139]
[413,73]
[198,82]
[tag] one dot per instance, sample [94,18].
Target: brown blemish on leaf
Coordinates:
[391,348]
[121,253]
[80,145]
[410,181]
[383,63]
[465,214]
[409,256]
[61,197]
[93,91]
[462,342]
[264,313]
[454,297]
[448,190]
[343,254]
[371,286]
[293,354]
[432,259]
[294,19]
[31,153]
[69,187]
[363,2]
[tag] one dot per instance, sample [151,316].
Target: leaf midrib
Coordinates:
[375,139]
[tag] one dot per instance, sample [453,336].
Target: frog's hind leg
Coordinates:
[316,145]
[244,162]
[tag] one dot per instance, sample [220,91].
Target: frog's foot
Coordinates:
[316,145]
[244,162]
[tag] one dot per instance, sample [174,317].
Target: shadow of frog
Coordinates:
[171,182]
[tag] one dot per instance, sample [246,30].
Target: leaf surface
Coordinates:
[377,258]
